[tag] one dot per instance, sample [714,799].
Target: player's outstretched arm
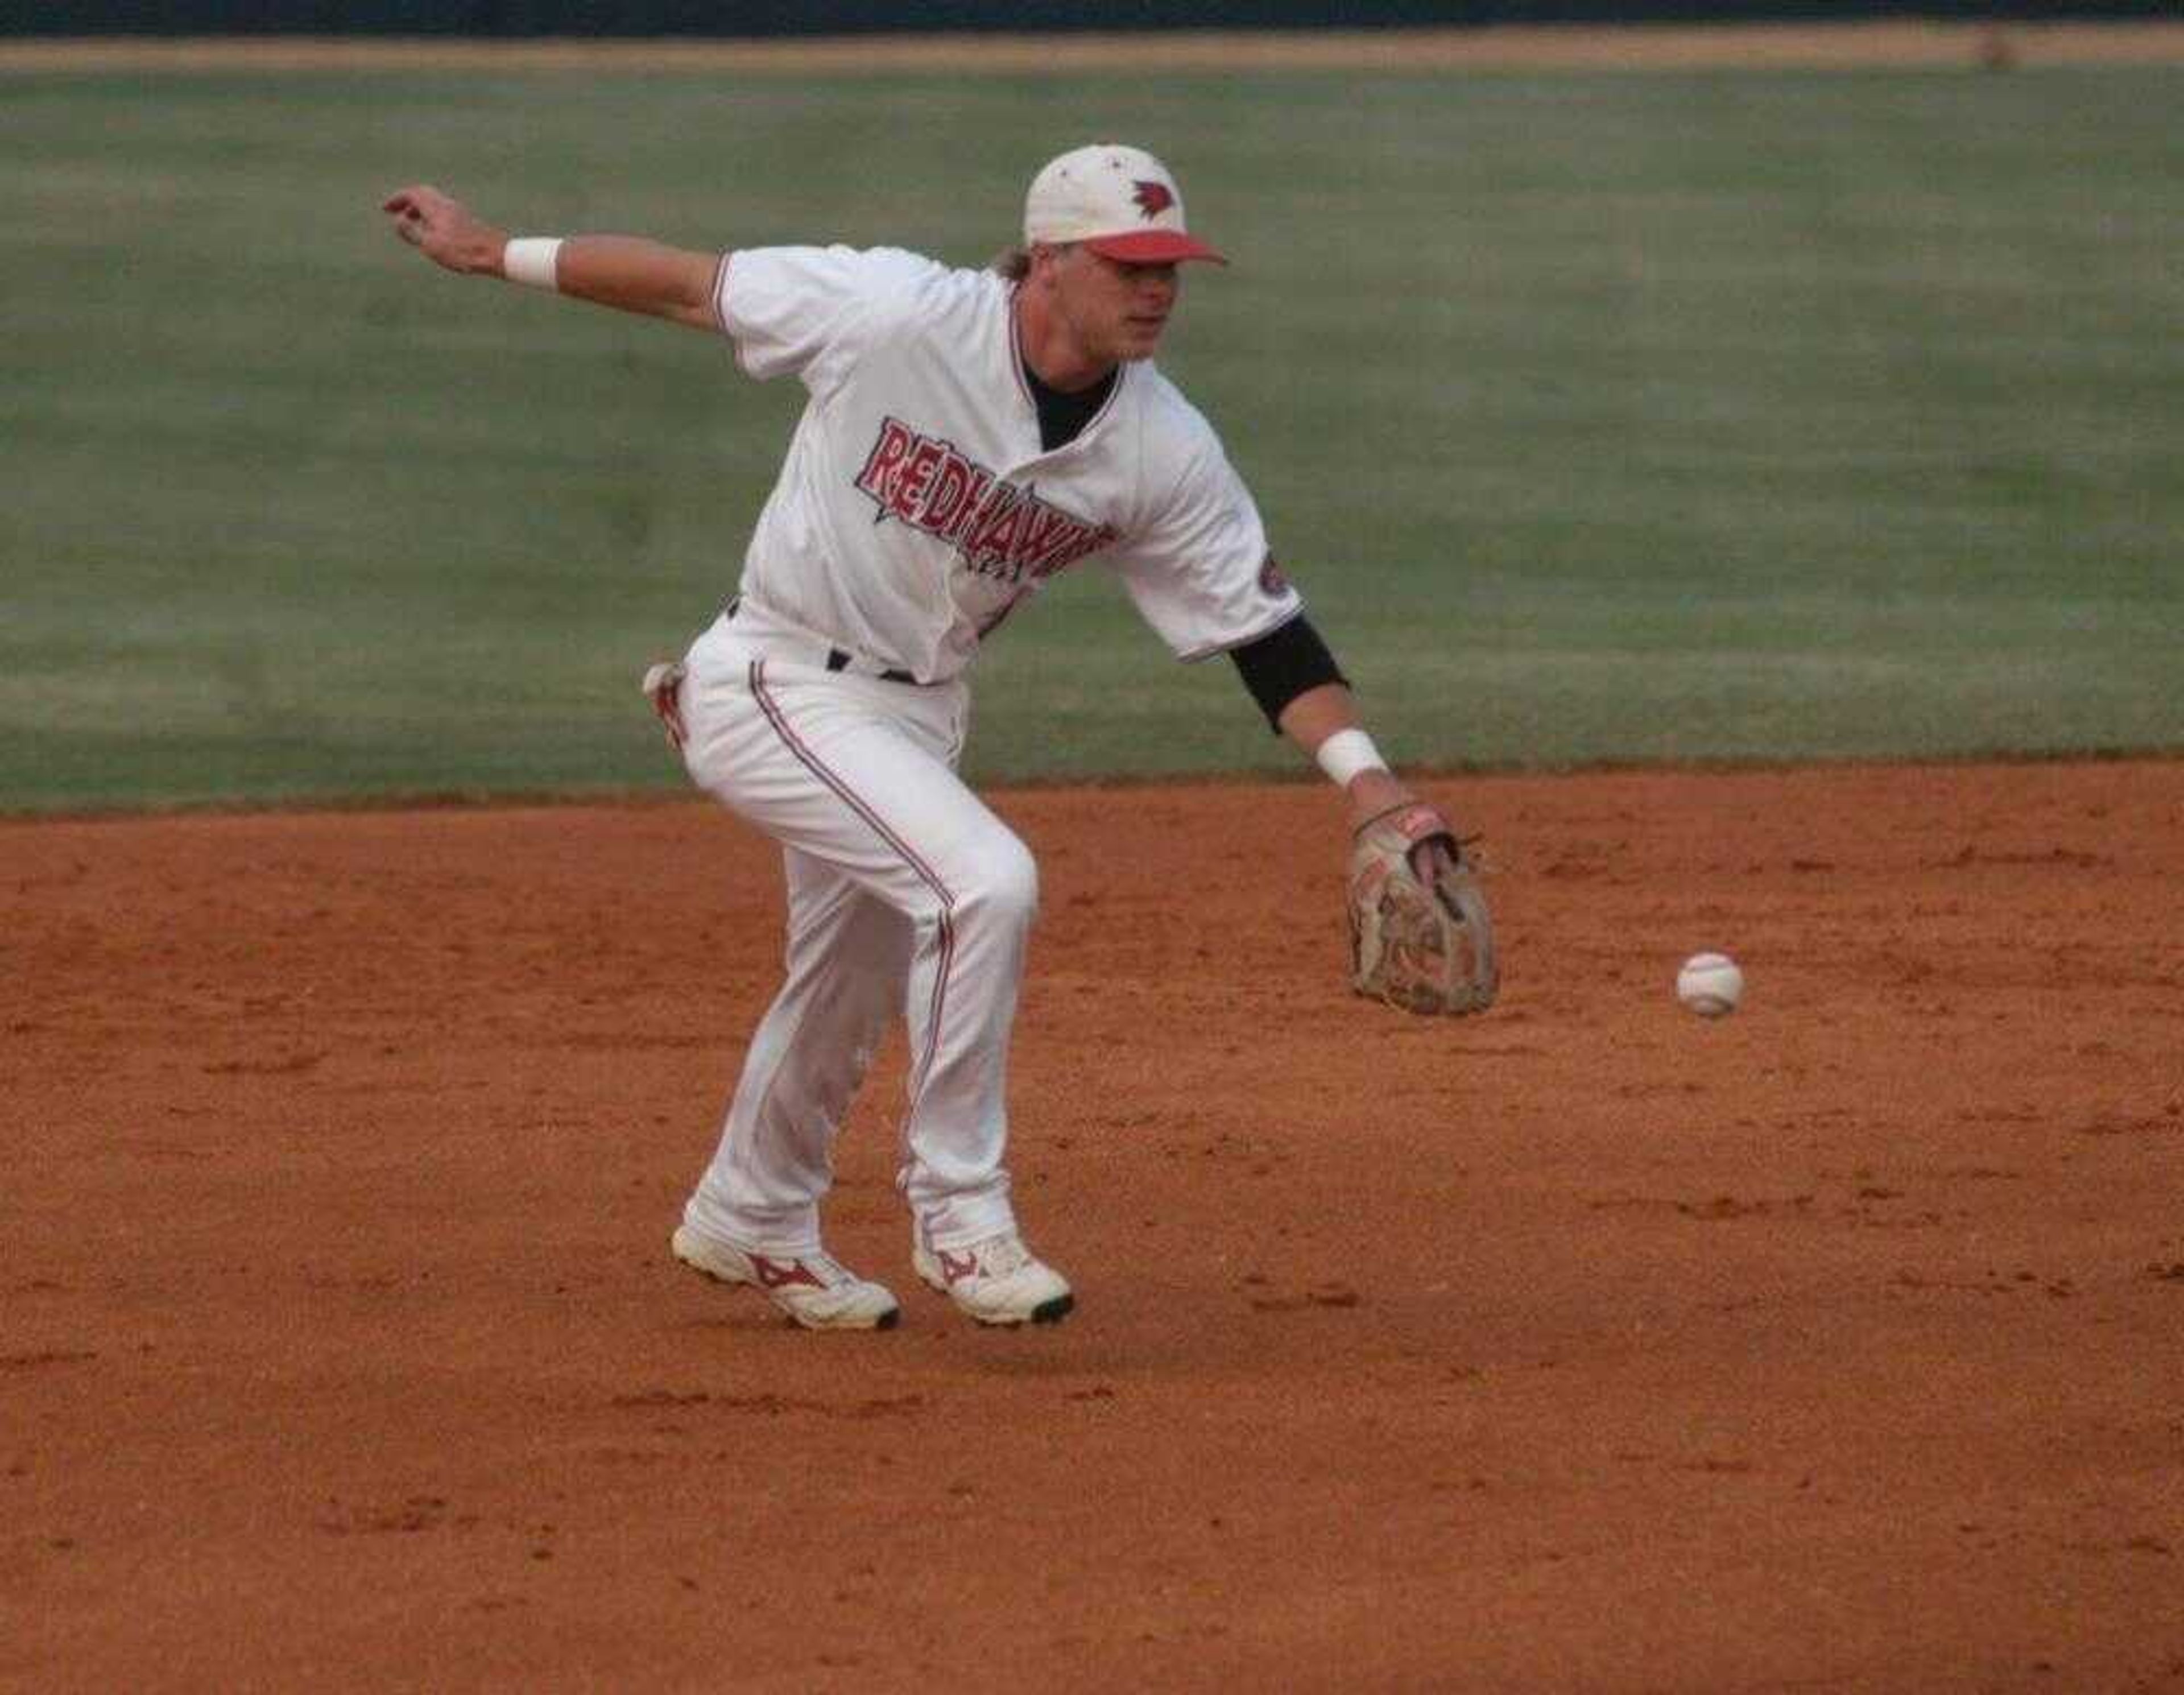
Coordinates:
[626,272]
[1421,936]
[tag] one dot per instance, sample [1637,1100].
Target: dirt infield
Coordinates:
[1585,1346]
[1855,46]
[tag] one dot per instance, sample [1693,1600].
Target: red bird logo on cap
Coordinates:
[1154,198]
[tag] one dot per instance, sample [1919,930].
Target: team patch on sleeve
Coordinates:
[1001,530]
[1272,580]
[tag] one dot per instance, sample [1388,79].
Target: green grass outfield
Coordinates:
[1602,418]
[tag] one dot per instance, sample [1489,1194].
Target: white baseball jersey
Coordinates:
[917,507]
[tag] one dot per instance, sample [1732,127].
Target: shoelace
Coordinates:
[832,1272]
[1001,1256]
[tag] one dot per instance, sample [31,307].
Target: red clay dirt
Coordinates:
[1585,1346]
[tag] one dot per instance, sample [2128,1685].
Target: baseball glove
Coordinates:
[1420,938]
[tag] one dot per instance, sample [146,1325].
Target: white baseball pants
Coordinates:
[907,898]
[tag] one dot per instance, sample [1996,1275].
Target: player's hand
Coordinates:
[663,686]
[1374,794]
[1420,934]
[445,230]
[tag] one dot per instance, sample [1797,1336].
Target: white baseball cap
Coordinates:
[1120,202]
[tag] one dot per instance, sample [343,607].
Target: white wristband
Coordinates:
[534,261]
[1346,753]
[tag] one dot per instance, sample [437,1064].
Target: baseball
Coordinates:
[1710,984]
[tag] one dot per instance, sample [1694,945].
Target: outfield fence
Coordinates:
[777,18]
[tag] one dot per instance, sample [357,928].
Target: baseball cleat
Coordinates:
[996,1281]
[815,1289]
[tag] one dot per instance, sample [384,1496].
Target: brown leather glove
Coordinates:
[1420,937]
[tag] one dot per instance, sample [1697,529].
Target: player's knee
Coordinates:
[1004,888]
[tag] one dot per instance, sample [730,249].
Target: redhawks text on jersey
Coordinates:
[1001,530]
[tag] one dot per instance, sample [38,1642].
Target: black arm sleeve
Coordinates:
[1278,667]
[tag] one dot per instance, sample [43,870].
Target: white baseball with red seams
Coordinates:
[916,511]
[1710,984]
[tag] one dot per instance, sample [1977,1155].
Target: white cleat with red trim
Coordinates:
[996,1281]
[816,1290]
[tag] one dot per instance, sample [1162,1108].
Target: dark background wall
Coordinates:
[848,17]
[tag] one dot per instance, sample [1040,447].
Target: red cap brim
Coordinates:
[1152,247]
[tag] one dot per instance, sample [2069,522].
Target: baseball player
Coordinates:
[969,434]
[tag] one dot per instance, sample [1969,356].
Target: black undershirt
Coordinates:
[1062,417]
